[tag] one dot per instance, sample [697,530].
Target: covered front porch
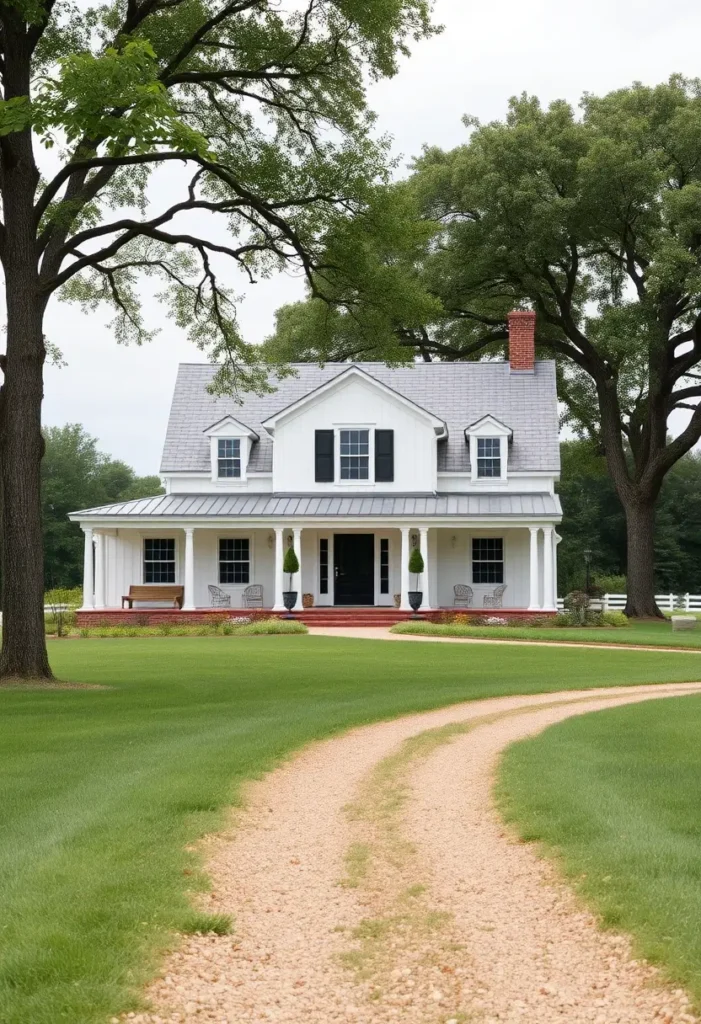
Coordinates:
[475,566]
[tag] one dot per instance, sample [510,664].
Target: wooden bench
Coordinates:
[157,592]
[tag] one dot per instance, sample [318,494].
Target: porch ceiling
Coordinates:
[327,506]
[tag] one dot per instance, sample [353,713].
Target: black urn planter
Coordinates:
[415,599]
[289,599]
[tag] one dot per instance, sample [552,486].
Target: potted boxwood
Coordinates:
[290,565]
[416,565]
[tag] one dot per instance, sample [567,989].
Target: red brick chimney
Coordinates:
[522,341]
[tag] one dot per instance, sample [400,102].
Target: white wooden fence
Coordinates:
[665,602]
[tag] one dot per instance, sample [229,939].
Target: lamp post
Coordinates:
[587,562]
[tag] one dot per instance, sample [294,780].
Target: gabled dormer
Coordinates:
[354,432]
[230,449]
[488,440]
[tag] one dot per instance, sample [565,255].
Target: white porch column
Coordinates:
[534,603]
[549,601]
[278,605]
[99,570]
[426,578]
[189,599]
[297,580]
[404,605]
[88,583]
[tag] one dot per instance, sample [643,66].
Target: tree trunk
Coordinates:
[640,573]
[23,652]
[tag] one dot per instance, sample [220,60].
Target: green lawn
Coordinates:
[616,796]
[103,789]
[646,633]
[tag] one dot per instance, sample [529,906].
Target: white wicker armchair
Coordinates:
[219,597]
[463,595]
[496,598]
[253,596]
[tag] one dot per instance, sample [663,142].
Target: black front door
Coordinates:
[354,568]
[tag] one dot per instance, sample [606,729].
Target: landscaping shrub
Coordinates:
[72,596]
[616,619]
[240,627]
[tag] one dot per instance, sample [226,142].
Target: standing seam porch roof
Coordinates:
[458,393]
[330,506]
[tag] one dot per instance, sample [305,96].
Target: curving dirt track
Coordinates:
[371,881]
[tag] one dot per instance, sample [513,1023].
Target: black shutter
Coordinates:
[323,456]
[384,456]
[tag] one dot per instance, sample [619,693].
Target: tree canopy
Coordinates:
[174,140]
[594,519]
[592,218]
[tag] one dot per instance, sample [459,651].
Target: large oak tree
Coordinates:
[166,137]
[593,219]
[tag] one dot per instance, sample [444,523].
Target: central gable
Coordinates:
[353,376]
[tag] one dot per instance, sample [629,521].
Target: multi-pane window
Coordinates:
[488,456]
[229,456]
[384,565]
[355,454]
[487,560]
[159,560]
[234,560]
[324,565]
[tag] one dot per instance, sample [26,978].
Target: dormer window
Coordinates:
[488,456]
[228,457]
[230,445]
[488,440]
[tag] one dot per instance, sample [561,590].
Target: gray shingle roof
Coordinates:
[459,393]
[328,506]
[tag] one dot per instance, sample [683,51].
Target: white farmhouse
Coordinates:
[353,464]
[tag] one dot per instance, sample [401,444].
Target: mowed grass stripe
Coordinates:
[615,796]
[103,790]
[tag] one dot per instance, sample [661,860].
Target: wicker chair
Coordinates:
[463,595]
[253,596]
[494,600]
[219,597]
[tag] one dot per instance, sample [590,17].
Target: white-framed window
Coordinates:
[234,560]
[159,560]
[488,456]
[354,454]
[487,560]
[228,457]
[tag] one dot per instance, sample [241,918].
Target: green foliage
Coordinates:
[612,583]
[199,923]
[258,627]
[106,792]
[266,109]
[562,628]
[290,563]
[76,475]
[416,562]
[616,619]
[72,596]
[594,519]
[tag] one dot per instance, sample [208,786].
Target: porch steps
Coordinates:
[351,616]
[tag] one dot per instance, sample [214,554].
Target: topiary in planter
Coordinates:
[416,565]
[290,565]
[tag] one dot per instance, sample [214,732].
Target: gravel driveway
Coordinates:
[371,881]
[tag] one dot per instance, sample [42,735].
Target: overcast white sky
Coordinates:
[488,52]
